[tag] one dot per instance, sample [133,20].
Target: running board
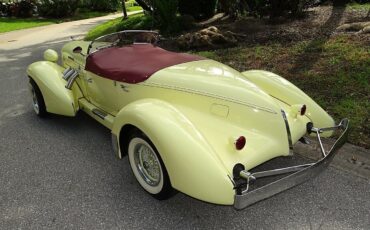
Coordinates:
[99,113]
[102,117]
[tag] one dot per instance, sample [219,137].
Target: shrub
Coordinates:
[284,7]
[131,3]
[134,22]
[186,22]
[199,9]
[165,15]
[24,8]
[272,8]
[58,8]
[106,5]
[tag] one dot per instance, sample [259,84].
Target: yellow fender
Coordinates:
[48,77]
[191,163]
[288,93]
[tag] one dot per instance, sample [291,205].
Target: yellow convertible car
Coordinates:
[187,123]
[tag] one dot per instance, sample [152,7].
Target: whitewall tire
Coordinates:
[147,167]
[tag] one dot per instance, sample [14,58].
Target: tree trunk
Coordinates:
[124,11]
[225,6]
[144,5]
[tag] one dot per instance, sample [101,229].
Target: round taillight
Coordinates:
[240,143]
[303,110]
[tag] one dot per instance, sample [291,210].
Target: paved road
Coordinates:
[60,173]
[51,33]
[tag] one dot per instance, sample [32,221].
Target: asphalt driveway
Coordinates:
[61,173]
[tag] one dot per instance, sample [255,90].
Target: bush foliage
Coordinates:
[134,22]
[261,8]
[23,8]
[199,9]
[99,5]
[165,15]
[67,8]
[58,8]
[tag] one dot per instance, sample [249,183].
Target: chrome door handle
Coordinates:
[89,80]
[124,88]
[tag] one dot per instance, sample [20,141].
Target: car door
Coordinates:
[102,92]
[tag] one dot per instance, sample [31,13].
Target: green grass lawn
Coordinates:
[134,22]
[134,8]
[10,24]
[334,72]
[358,6]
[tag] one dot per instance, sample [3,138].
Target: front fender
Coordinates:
[48,77]
[288,93]
[192,165]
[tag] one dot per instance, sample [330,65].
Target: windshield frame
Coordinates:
[120,35]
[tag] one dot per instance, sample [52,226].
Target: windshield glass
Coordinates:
[123,38]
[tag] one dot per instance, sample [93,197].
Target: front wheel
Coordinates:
[38,102]
[148,168]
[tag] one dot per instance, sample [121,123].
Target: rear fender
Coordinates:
[288,93]
[192,165]
[58,99]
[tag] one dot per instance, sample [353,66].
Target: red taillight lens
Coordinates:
[240,143]
[303,110]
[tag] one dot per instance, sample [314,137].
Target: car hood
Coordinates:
[213,79]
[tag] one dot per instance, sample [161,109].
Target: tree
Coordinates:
[145,5]
[124,11]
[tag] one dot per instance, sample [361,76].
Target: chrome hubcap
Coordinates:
[35,103]
[147,164]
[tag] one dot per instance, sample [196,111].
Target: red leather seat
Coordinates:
[134,63]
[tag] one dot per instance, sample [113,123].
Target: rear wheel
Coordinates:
[38,103]
[147,167]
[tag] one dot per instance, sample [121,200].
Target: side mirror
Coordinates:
[51,55]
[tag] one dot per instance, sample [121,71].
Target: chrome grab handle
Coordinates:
[125,88]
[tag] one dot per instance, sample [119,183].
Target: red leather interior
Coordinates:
[134,63]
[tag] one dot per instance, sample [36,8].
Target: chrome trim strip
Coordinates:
[246,175]
[71,80]
[99,113]
[288,132]
[125,88]
[67,73]
[309,171]
[202,93]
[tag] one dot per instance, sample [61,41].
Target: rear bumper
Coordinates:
[300,174]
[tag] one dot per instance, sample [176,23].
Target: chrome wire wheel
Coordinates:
[35,103]
[145,165]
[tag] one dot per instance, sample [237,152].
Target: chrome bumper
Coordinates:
[301,173]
